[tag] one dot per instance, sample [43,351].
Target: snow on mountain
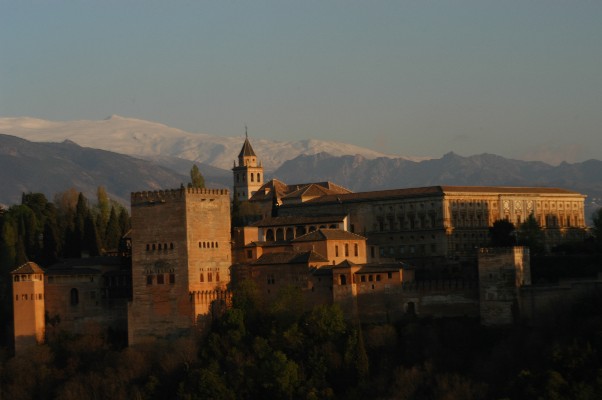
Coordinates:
[150,139]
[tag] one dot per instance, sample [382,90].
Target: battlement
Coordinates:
[208,296]
[496,251]
[439,285]
[173,195]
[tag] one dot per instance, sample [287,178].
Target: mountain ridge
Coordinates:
[142,138]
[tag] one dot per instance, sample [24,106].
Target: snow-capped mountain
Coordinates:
[150,139]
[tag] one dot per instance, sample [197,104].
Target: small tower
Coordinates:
[248,175]
[28,305]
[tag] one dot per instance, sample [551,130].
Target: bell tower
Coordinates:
[248,174]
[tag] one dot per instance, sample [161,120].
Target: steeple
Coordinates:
[246,155]
[248,175]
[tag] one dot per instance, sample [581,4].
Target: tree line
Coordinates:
[46,231]
[282,351]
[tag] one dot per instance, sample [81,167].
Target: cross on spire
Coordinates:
[246,134]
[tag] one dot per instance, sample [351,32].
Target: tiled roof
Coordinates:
[267,190]
[507,189]
[432,191]
[28,268]
[290,258]
[328,234]
[282,190]
[298,220]
[247,150]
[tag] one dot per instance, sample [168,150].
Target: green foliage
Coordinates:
[502,233]
[597,228]
[196,178]
[530,234]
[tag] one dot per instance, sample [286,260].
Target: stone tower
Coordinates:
[502,272]
[28,305]
[248,175]
[181,257]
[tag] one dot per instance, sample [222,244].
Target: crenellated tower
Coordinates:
[180,249]
[248,174]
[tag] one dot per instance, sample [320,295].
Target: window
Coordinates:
[343,279]
[252,177]
[160,279]
[346,249]
[249,253]
[149,279]
[217,276]
[370,278]
[356,249]
[74,297]
[209,277]
[336,251]
[389,275]
[172,278]
[258,177]
[378,278]
[363,278]
[202,277]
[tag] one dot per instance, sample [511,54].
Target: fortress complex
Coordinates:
[359,250]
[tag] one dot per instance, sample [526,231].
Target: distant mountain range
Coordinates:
[165,155]
[360,174]
[51,168]
[145,139]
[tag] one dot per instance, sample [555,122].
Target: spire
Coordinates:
[247,150]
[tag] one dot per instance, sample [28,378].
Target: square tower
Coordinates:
[180,248]
[28,305]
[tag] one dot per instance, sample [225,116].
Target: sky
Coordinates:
[521,79]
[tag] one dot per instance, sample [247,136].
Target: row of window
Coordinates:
[159,246]
[410,222]
[209,277]
[252,176]
[355,250]
[208,245]
[27,277]
[34,296]
[280,234]
[161,279]
[364,278]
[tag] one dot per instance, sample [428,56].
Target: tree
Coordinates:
[113,231]
[196,178]
[597,227]
[531,235]
[502,233]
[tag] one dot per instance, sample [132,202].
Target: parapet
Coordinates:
[170,195]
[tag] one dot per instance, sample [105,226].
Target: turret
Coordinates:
[28,305]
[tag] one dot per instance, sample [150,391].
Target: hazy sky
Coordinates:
[521,79]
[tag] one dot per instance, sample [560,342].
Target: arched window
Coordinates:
[202,277]
[279,234]
[356,249]
[74,295]
[258,177]
[269,235]
[289,234]
[336,251]
[346,249]
[252,177]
